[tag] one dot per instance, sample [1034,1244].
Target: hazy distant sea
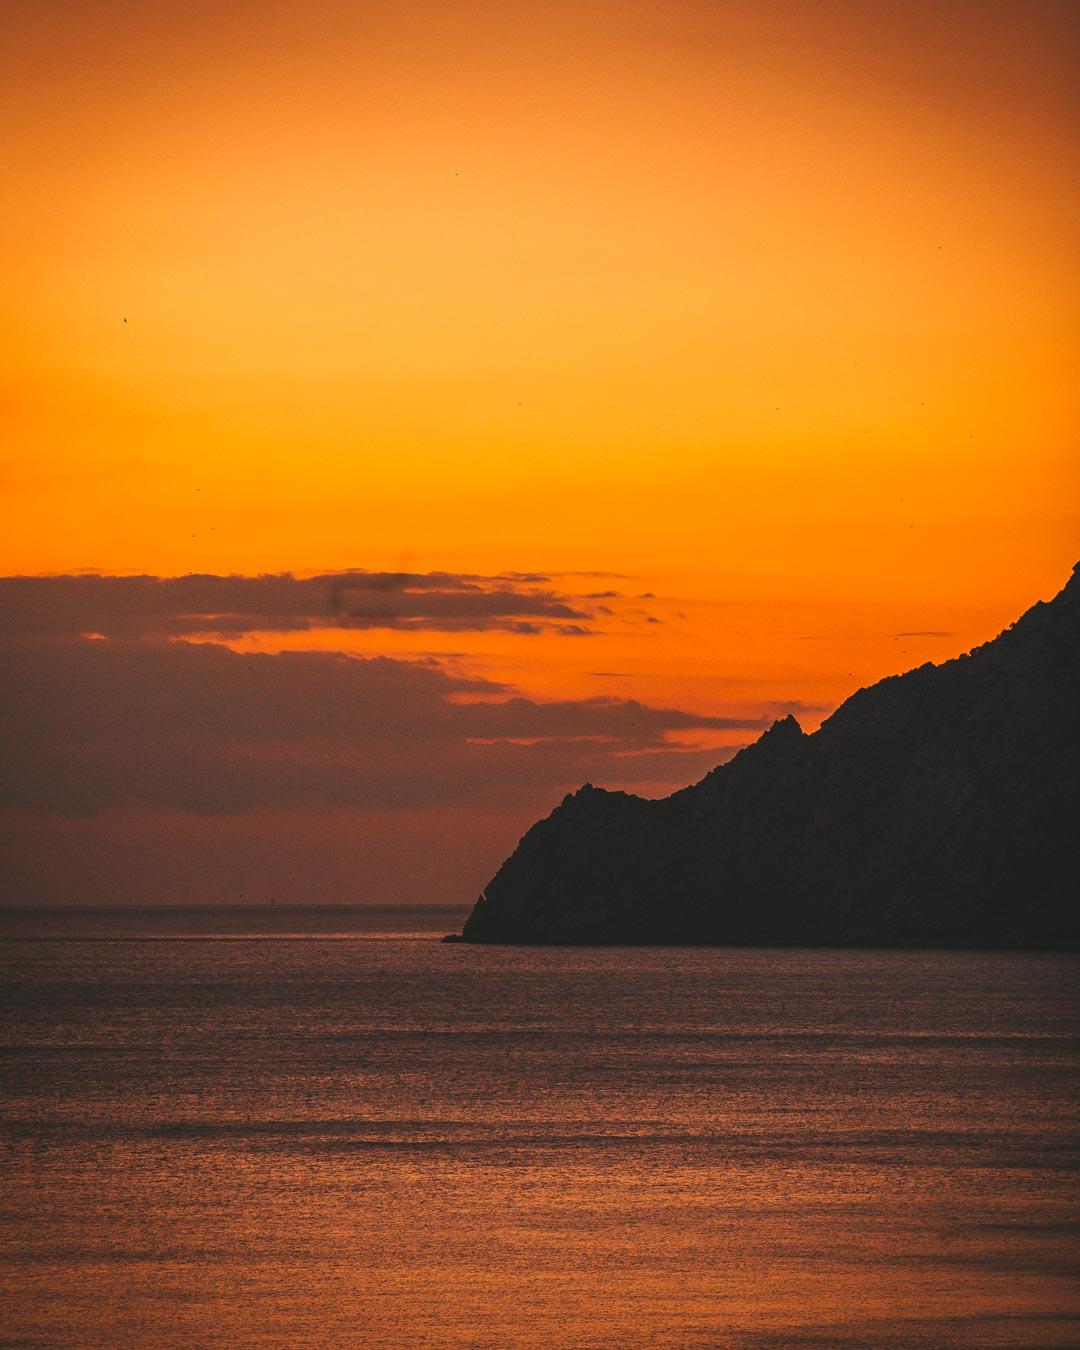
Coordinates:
[323,1128]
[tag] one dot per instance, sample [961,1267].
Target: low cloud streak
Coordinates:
[96,724]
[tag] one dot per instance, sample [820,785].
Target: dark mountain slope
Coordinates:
[937,808]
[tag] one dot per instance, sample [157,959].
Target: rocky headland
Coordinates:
[939,808]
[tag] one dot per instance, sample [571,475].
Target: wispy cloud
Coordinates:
[150,606]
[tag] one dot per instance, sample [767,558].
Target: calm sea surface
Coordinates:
[354,1136]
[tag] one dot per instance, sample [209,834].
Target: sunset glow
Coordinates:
[763,311]
[539,639]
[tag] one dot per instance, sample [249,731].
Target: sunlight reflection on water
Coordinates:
[396,1143]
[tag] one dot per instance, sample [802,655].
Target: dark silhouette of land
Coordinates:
[940,808]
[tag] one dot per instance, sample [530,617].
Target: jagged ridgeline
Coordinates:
[939,808]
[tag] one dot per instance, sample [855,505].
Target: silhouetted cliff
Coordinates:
[937,808]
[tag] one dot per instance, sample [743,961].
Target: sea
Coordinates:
[324,1128]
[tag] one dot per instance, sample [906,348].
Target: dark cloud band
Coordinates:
[142,606]
[95,724]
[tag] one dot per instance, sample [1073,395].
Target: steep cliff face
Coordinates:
[937,808]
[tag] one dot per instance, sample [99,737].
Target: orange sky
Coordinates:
[768,308]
